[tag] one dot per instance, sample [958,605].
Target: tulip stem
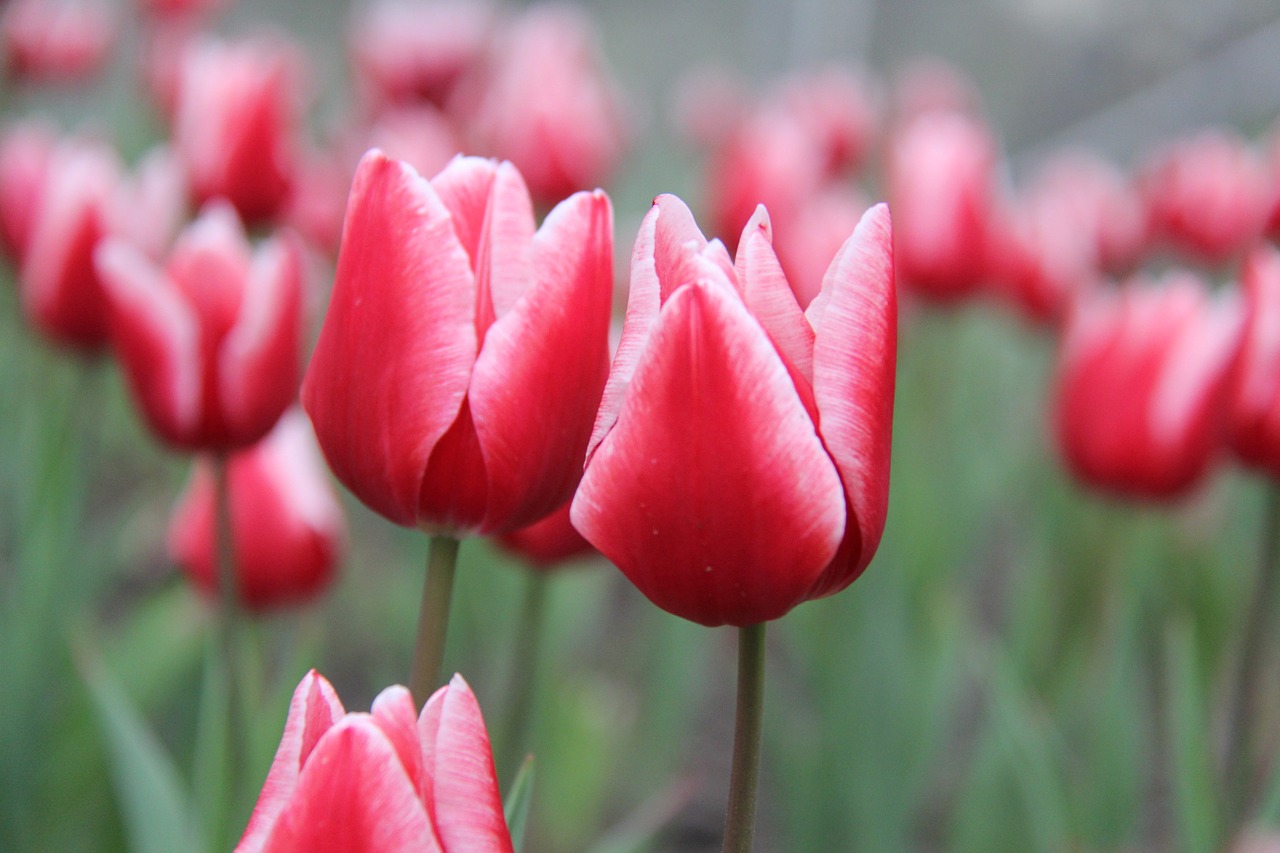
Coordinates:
[1246,688]
[740,818]
[433,617]
[228,626]
[523,672]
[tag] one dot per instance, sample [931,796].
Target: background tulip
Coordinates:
[740,460]
[287,526]
[211,342]
[390,780]
[1254,422]
[547,543]
[463,356]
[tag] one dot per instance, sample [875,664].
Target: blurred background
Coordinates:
[1028,664]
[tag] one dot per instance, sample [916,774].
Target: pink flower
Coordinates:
[211,342]
[1255,396]
[390,781]
[56,39]
[286,523]
[463,357]
[25,151]
[1142,385]
[740,460]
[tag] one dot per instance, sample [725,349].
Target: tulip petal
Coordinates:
[156,337]
[395,713]
[394,358]
[467,806]
[260,359]
[713,492]
[854,365]
[464,186]
[769,296]
[314,709]
[538,379]
[354,796]
[503,270]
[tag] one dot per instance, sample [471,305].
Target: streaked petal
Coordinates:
[463,186]
[542,369]
[395,713]
[769,296]
[503,270]
[394,358]
[854,366]
[713,492]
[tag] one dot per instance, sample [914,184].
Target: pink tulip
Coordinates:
[547,104]
[740,460]
[211,342]
[390,781]
[287,526]
[1142,385]
[1208,195]
[56,39]
[237,115]
[547,543]
[463,357]
[25,151]
[1255,405]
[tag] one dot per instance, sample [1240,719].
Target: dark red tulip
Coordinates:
[211,342]
[1142,385]
[463,356]
[287,526]
[390,781]
[740,460]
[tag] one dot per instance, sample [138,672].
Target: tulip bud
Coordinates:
[287,526]
[389,780]
[740,460]
[56,39]
[211,343]
[1255,403]
[25,152]
[1142,385]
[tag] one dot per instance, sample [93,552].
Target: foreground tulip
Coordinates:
[390,781]
[211,343]
[740,461]
[286,523]
[1142,385]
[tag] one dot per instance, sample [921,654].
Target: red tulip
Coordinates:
[740,461]
[390,781]
[547,104]
[547,543]
[463,356]
[1209,195]
[210,343]
[56,39]
[940,182]
[1142,382]
[1255,406]
[286,523]
[235,124]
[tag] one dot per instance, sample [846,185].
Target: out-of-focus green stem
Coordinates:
[744,778]
[1242,713]
[433,617]
[523,686]
[228,636]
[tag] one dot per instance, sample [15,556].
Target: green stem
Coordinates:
[1246,685]
[524,671]
[228,637]
[740,818]
[433,617]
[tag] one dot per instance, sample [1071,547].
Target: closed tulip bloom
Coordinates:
[740,461]
[56,39]
[287,526]
[547,543]
[1142,385]
[211,341]
[236,122]
[389,781]
[25,151]
[1255,404]
[463,356]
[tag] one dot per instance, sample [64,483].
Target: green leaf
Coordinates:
[516,808]
[149,791]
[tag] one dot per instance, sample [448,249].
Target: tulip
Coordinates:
[390,781]
[1142,383]
[210,343]
[235,124]
[1255,405]
[548,105]
[56,39]
[287,526]
[25,151]
[1209,195]
[740,461]
[463,356]
[547,543]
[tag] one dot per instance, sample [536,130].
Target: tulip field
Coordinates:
[445,425]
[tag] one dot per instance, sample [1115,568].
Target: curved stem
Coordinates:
[522,688]
[740,818]
[1246,689]
[433,617]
